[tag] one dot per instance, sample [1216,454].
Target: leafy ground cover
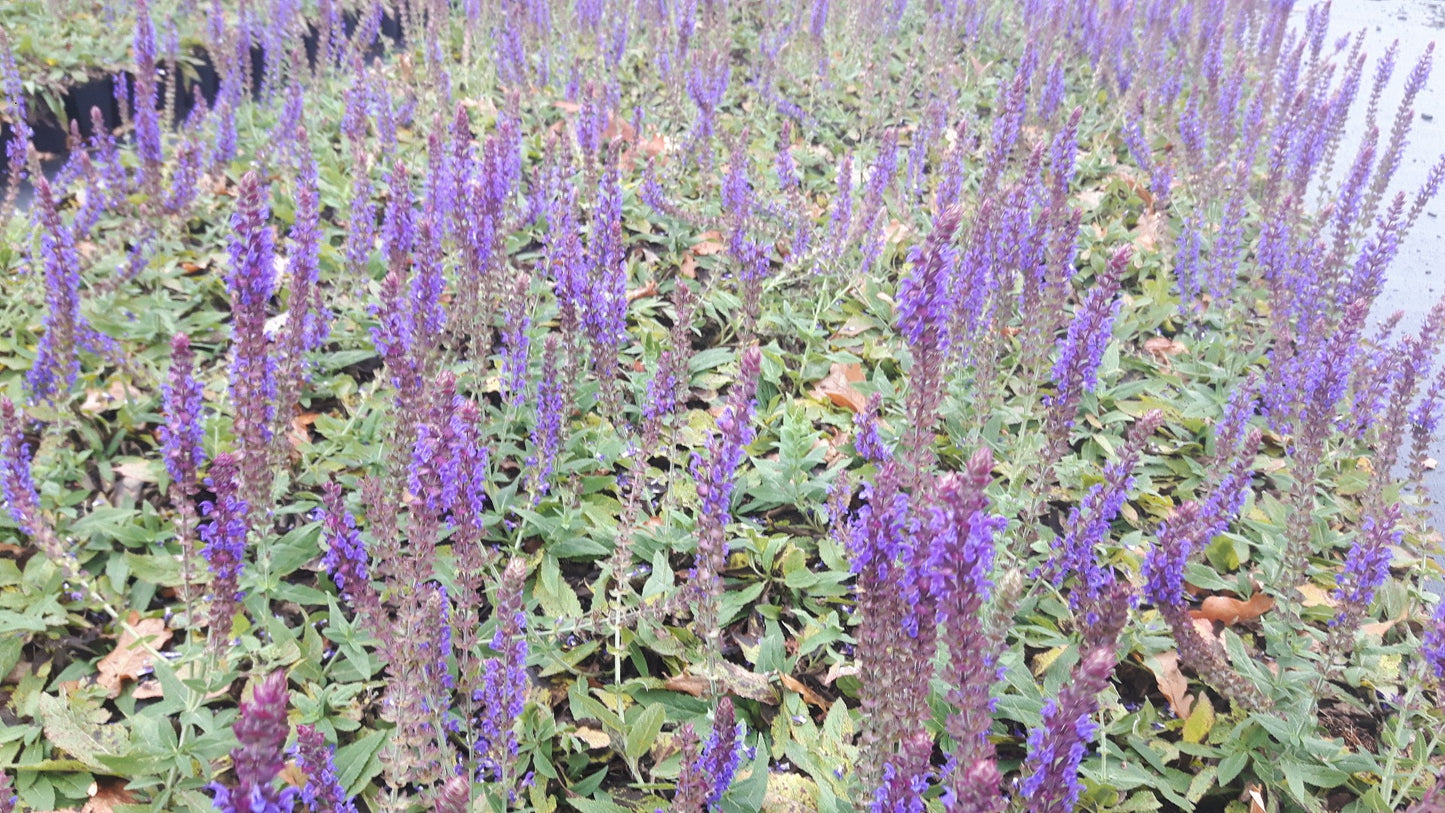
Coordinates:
[724,406]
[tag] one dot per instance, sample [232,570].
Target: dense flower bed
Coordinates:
[722,406]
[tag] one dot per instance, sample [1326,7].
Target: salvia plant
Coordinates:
[695,405]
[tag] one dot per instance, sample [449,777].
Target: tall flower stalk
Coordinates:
[716,473]
[181,436]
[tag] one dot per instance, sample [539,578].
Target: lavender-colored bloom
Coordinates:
[17,151]
[551,415]
[840,218]
[925,308]
[1053,92]
[17,483]
[224,536]
[516,342]
[960,562]
[880,180]
[716,473]
[57,360]
[707,773]
[1089,523]
[1057,746]
[185,178]
[182,434]
[251,284]
[147,117]
[1432,646]
[258,760]
[1366,566]
[503,691]
[306,307]
[866,440]
[322,792]
[346,558]
[722,751]
[8,799]
[223,148]
[707,83]
[1082,349]
[605,316]
[783,163]
[651,191]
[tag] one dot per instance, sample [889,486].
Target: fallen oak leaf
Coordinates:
[1230,611]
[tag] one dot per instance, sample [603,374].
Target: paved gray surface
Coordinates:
[1416,280]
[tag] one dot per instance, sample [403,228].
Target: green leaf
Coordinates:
[643,731]
[357,763]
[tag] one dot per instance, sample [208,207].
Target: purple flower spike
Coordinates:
[258,760]
[1433,645]
[1366,567]
[707,773]
[57,359]
[225,543]
[716,472]
[181,443]
[322,792]
[1051,783]
[1082,348]
[251,283]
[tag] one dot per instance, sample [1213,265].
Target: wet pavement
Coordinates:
[1416,279]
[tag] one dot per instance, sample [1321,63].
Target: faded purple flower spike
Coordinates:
[1432,646]
[322,792]
[181,436]
[225,543]
[1051,783]
[716,474]
[1089,523]
[258,760]
[551,417]
[8,799]
[147,117]
[961,556]
[924,310]
[346,558]
[502,692]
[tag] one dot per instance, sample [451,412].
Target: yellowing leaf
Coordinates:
[1044,660]
[1200,720]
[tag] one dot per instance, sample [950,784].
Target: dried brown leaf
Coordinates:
[1163,347]
[1230,611]
[1172,683]
[809,696]
[106,793]
[837,387]
[131,657]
